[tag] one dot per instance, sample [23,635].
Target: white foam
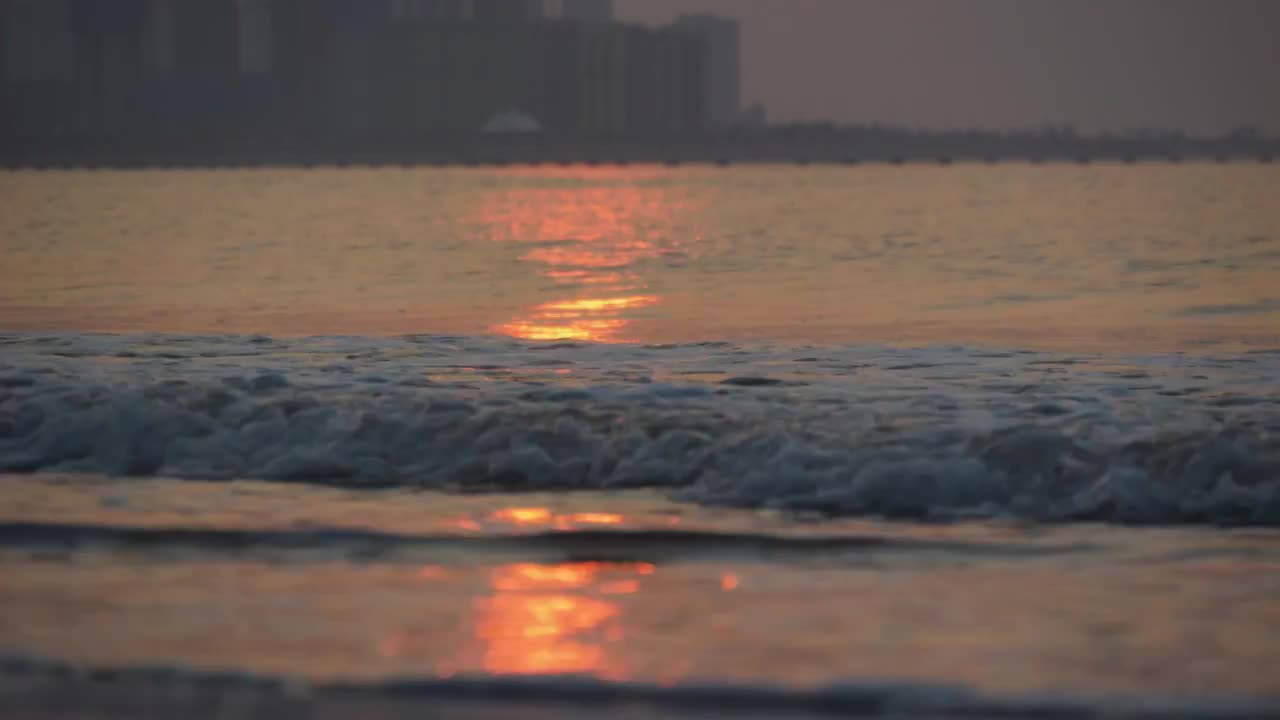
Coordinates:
[930,432]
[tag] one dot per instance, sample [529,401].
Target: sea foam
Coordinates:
[935,433]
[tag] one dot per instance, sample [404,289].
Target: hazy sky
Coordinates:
[1201,65]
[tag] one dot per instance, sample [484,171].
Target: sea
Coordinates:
[891,441]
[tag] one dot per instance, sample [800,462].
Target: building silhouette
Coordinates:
[722,74]
[427,9]
[591,11]
[165,74]
[507,11]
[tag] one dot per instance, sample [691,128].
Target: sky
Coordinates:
[1204,66]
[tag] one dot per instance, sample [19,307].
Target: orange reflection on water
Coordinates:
[593,238]
[592,257]
[433,573]
[463,523]
[524,516]
[621,587]
[545,518]
[577,319]
[538,328]
[596,518]
[528,576]
[555,619]
[595,305]
[584,277]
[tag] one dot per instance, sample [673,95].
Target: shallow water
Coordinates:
[661,592]
[935,432]
[1123,258]
[1009,429]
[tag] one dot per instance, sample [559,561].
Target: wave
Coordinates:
[166,688]
[935,433]
[578,546]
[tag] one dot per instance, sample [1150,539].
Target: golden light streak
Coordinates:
[596,518]
[595,305]
[524,516]
[594,237]
[433,573]
[556,619]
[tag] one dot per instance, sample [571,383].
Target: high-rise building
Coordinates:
[108,65]
[507,11]
[602,81]
[557,102]
[432,10]
[205,91]
[300,73]
[37,67]
[445,9]
[592,11]
[159,39]
[208,47]
[36,42]
[663,66]
[6,23]
[722,68]
[256,51]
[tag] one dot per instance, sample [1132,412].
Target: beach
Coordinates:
[922,441]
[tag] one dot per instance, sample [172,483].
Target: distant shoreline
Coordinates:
[109,160]
[819,145]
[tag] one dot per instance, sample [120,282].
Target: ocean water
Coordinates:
[938,439]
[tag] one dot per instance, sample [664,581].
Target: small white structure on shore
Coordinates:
[512,122]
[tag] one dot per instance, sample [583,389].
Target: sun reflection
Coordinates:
[596,518]
[537,517]
[555,619]
[524,516]
[583,277]
[621,587]
[463,523]
[525,576]
[538,328]
[592,238]
[433,573]
[589,305]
